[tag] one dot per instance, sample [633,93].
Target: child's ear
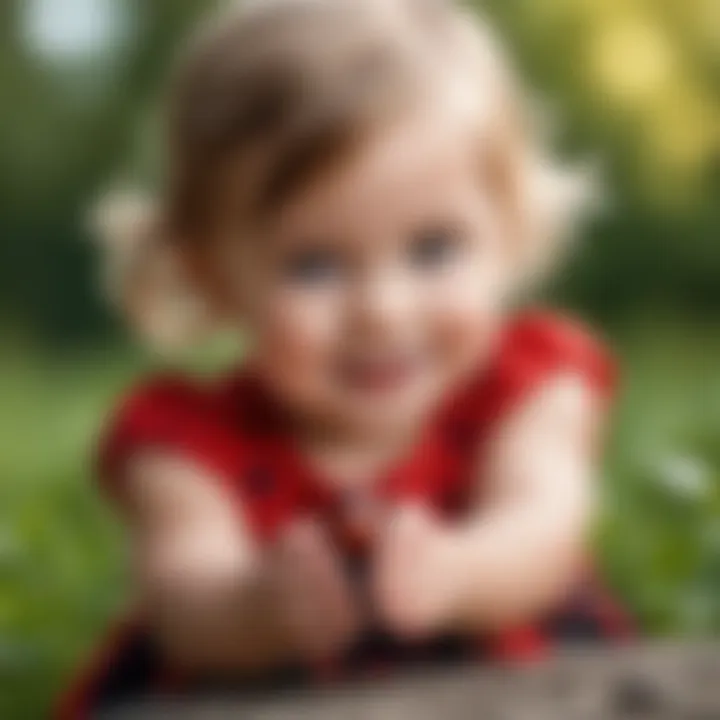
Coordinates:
[554,202]
[146,273]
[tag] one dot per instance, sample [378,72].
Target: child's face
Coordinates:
[379,286]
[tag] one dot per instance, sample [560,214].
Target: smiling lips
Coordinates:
[380,375]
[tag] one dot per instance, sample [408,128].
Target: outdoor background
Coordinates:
[633,83]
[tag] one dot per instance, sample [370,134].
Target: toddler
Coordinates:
[403,467]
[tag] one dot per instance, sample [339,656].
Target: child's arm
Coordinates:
[216,602]
[527,546]
[524,546]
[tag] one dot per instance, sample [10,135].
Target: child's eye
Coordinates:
[312,267]
[433,247]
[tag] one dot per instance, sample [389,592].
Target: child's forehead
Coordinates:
[423,159]
[430,140]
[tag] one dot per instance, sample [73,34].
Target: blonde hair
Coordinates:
[272,92]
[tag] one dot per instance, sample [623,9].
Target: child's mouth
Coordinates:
[380,375]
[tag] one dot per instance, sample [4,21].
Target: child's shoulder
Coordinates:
[535,346]
[539,343]
[174,396]
[184,396]
[193,417]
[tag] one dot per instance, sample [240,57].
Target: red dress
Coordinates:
[233,429]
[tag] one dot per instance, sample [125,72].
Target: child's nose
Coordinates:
[385,303]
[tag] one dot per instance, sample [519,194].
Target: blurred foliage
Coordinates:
[635,83]
[631,82]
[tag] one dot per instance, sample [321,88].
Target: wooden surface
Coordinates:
[673,681]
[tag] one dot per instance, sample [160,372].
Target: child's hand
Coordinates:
[415,570]
[314,598]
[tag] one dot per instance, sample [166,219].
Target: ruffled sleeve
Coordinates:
[534,349]
[170,414]
[540,346]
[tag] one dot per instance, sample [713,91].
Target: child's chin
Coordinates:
[389,409]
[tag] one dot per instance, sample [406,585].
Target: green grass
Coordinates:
[661,538]
[61,557]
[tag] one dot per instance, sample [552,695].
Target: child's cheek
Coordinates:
[298,336]
[467,316]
